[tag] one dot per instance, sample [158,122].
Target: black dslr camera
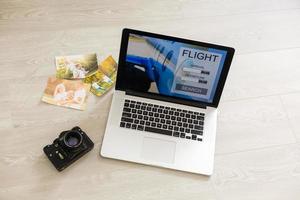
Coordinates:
[68,147]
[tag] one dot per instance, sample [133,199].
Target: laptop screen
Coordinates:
[173,67]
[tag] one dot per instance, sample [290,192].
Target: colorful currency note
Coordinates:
[104,78]
[109,68]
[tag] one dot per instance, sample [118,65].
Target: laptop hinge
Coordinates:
[165,98]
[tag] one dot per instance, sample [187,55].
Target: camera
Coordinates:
[68,147]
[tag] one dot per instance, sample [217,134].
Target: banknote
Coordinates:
[109,67]
[104,78]
[100,83]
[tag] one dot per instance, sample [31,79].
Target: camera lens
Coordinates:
[73,139]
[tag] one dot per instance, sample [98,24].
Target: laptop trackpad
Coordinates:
[158,150]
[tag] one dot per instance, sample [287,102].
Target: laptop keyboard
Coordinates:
[162,120]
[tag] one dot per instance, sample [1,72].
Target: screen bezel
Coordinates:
[174,99]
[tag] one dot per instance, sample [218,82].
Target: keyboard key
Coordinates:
[187,115]
[153,124]
[128,125]
[194,137]
[124,119]
[168,121]
[200,117]
[181,130]
[156,115]
[122,124]
[145,113]
[126,110]
[140,128]
[171,112]
[126,105]
[193,116]
[176,113]
[156,120]
[199,139]
[196,132]
[151,119]
[157,130]
[198,127]
[179,123]
[131,106]
[149,108]
[159,125]
[173,123]
[159,110]
[140,116]
[137,106]
[191,126]
[125,114]
[146,118]
[187,130]
[134,116]
[188,137]
[182,135]
[181,114]
[136,121]
[184,119]
[162,121]
[165,126]
[173,118]
[140,112]
[190,121]
[176,128]
[150,113]
[147,123]
[142,122]
[185,125]
[161,115]
[133,110]
[176,134]
[168,117]
[133,126]
[170,127]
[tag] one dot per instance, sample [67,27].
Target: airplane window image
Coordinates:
[153,68]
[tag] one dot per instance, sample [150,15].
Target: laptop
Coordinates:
[164,108]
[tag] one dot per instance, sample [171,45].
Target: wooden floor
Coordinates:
[258,137]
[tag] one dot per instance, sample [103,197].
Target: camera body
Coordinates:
[68,147]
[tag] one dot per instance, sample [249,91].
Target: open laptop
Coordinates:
[164,109]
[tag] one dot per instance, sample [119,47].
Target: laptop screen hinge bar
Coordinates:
[165,98]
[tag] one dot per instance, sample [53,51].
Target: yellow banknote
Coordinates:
[100,83]
[109,67]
